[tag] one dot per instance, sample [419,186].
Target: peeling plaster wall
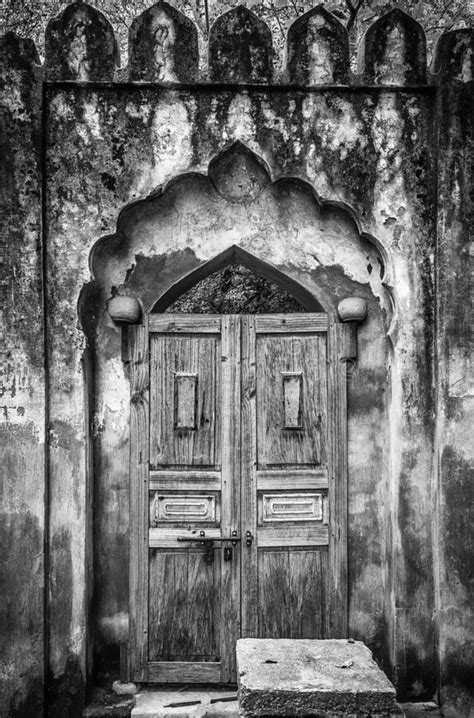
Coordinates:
[455,446]
[22,391]
[365,149]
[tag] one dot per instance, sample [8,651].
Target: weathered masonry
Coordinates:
[330,463]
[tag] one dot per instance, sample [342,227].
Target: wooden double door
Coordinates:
[237,489]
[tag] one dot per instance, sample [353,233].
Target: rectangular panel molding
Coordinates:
[170,509]
[185,400]
[292,399]
[292,507]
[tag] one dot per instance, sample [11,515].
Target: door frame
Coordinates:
[340,347]
[138,361]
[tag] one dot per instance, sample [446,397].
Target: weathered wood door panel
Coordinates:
[235,424]
[291,593]
[185,600]
[291,395]
[184,606]
[184,400]
[285,477]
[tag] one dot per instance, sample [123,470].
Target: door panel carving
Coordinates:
[182,509]
[292,507]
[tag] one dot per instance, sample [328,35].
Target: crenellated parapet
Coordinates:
[80,45]
[454,56]
[163,48]
[393,51]
[317,50]
[17,53]
[240,48]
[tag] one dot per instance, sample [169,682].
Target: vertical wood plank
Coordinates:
[162,612]
[139,469]
[204,605]
[274,610]
[306,588]
[249,483]
[337,440]
[231,458]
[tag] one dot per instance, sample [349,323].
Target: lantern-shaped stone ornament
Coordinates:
[124,310]
[352,309]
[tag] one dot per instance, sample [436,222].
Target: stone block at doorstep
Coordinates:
[187,703]
[335,677]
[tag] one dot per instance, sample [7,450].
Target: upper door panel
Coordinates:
[185,401]
[291,400]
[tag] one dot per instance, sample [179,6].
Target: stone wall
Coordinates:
[132,177]
[454,379]
[22,380]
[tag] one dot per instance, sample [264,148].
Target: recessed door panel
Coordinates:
[291,400]
[186,509]
[276,508]
[291,593]
[184,606]
[184,400]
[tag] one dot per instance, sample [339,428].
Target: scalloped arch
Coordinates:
[280,229]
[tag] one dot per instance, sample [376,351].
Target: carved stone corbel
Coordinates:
[352,312]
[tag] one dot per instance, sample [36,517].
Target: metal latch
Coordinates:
[208,543]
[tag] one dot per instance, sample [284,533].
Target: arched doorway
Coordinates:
[238,477]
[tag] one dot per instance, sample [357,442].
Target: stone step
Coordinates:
[333,678]
[425,708]
[155,703]
[152,702]
[105,703]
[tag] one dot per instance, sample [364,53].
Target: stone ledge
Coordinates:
[311,678]
[195,703]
